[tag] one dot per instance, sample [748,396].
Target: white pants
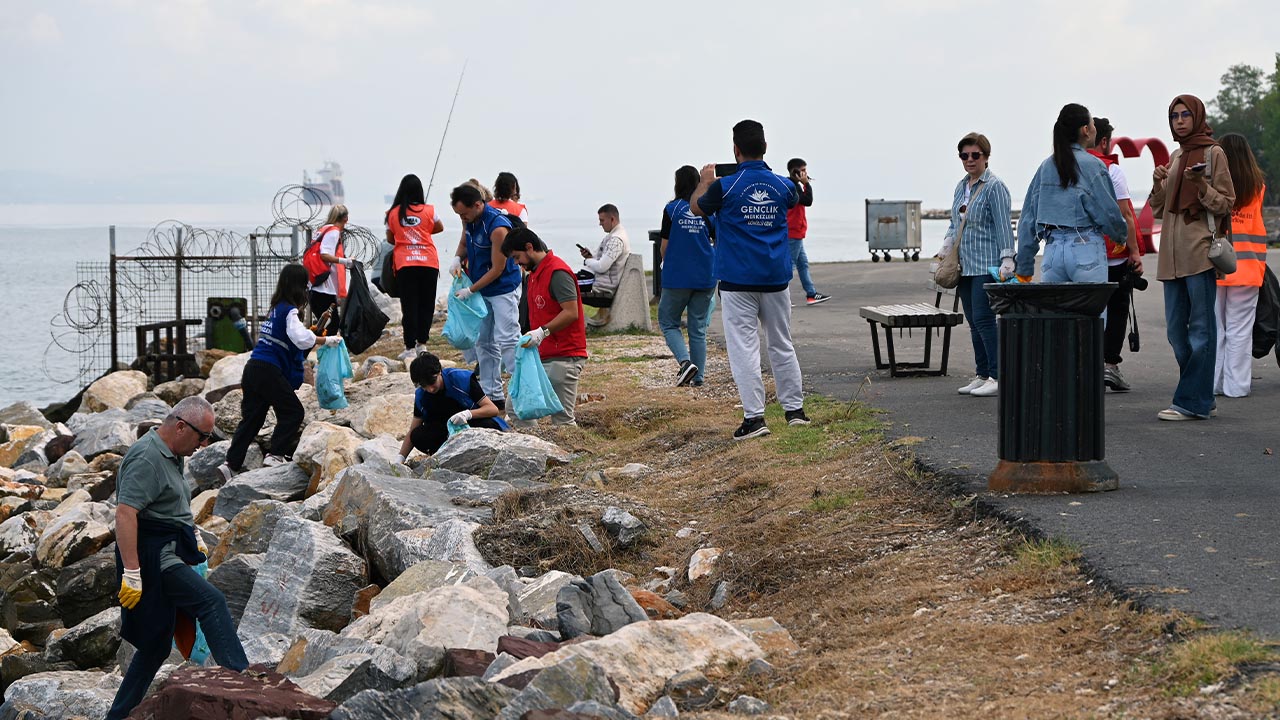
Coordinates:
[744,313]
[1235,310]
[499,332]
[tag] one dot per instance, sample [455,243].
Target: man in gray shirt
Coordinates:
[155,547]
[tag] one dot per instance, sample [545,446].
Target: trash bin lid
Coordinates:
[1049,298]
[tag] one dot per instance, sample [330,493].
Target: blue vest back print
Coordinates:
[752,248]
[275,347]
[687,264]
[480,249]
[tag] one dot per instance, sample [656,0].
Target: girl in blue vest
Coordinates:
[687,282]
[274,372]
[445,396]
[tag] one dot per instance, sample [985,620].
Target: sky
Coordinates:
[586,102]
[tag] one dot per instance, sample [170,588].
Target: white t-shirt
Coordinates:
[1120,184]
[329,246]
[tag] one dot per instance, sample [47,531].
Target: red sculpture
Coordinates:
[1131,148]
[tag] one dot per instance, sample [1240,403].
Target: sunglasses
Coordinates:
[974,155]
[1185,115]
[204,436]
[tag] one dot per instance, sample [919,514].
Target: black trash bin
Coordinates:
[1051,388]
[655,237]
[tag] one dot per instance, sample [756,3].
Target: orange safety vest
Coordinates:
[338,269]
[413,244]
[510,207]
[1249,237]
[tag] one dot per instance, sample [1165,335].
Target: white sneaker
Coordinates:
[989,389]
[974,384]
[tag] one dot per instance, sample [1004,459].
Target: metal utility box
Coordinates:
[893,225]
[225,326]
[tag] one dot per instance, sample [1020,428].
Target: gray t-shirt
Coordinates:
[151,481]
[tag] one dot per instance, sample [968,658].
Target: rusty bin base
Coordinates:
[1053,477]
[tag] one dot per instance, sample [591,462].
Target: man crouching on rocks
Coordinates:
[156,545]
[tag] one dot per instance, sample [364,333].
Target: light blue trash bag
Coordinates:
[200,649]
[530,391]
[462,326]
[333,364]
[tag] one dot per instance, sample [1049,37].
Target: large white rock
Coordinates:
[113,391]
[78,533]
[474,452]
[538,597]
[284,483]
[226,371]
[313,654]
[641,656]
[327,449]
[424,576]
[72,463]
[111,431]
[385,414]
[450,541]
[24,412]
[65,694]
[18,439]
[20,532]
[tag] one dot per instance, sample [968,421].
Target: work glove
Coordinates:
[1007,269]
[400,459]
[461,418]
[535,337]
[1024,278]
[463,294]
[332,340]
[130,588]
[455,267]
[347,262]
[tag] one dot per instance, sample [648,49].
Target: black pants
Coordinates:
[321,302]
[430,435]
[1117,318]
[265,387]
[417,286]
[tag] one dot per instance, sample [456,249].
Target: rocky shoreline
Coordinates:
[356,581]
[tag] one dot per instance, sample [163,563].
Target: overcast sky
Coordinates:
[587,102]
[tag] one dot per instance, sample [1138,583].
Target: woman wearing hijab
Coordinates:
[1195,183]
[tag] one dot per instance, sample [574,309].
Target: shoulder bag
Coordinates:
[948,272]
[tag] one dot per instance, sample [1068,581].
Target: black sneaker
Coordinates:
[817,299]
[797,417]
[501,404]
[687,371]
[750,428]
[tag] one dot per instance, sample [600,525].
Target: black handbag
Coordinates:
[388,278]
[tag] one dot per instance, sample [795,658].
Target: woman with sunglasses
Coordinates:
[1195,184]
[274,372]
[980,222]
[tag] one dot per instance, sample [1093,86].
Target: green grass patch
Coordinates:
[834,425]
[1208,659]
[1046,554]
[836,501]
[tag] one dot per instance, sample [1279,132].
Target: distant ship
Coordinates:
[326,188]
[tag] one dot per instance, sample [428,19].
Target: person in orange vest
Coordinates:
[1238,292]
[410,224]
[326,293]
[555,314]
[506,196]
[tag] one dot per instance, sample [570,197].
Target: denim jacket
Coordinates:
[1090,204]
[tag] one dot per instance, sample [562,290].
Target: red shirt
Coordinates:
[413,244]
[543,308]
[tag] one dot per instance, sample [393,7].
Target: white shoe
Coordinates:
[989,388]
[974,384]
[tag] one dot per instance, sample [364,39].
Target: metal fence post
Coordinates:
[177,259]
[115,343]
[253,284]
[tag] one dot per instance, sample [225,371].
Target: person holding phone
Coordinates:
[798,227]
[605,264]
[1195,183]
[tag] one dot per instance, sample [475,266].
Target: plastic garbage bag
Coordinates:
[530,393]
[188,636]
[462,326]
[362,319]
[995,275]
[333,365]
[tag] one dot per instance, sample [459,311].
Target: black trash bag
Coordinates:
[1049,298]
[363,321]
[387,278]
[1266,323]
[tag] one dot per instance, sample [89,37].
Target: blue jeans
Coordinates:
[196,597]
[1074,256]
[982,325]
[1193,333]
[496,346]
[671,306]
[801,260]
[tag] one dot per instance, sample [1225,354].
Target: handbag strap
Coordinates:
[1213,219]
[967,209]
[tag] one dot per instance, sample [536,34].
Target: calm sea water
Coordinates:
[42,245]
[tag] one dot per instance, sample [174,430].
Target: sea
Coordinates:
[44,249]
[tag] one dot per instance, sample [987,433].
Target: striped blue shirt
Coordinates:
[988,235]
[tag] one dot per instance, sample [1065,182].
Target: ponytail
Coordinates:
[1066,132]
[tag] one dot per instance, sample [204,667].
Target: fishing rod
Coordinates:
[445,134]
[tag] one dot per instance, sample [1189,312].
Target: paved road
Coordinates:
[1194,525]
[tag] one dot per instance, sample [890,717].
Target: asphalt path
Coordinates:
[1194,525]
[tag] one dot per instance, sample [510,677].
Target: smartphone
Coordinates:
[1198,167]
[723,169]
[582,248]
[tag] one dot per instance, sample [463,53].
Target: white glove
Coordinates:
[399,459]
[332,340]
[947,242]
[536,336]
[461,418]
[455,267]
[463,294]
[347,262]
[1007,269]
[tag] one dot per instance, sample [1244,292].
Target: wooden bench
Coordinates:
[910,316]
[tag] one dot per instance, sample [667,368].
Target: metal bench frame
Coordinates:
[885,315]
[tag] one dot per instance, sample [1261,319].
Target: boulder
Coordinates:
[475,451]
[538,597]
[11,505]
[59,446]
[225,372]
[703,562]
[469,488]
[387,363]
[71,463]
[80,532]
[20,532]
[250,531]
[665,707]
[769,635]
[26,491]
[113,391]
[25,660]
[421,577]
[641,656]
[748,705]
[691,690]
[235,578]
[202,467]
[18,438]
[206,359]
[202,505]
[597,605]
[106,462]
[314,648]
[450,541]
[385,415]
[325,450]
[368,509]
[384,448]
[520,466]
[228,412]
[24,412]
[285,483]
[175,390]
[573,679]
[622,526]
[90,644]
[106,432]
[463,662]
[423,625]
[215,692]
[29,604]
[7,642]
[87,587]
[308,579]
[65,694]
[462,698]
[98,485]
[509,580]
[519,648]
[341,676]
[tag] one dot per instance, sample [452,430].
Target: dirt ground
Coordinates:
[905,600]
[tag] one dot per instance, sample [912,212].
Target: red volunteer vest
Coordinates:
[1116,250]
[543,308]
[338,271]
[1249,238]
[413,244]
[510,207]
[797,222]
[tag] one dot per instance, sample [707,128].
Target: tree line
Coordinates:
[1249,104]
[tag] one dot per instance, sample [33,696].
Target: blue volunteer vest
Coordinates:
[687,264]
[480,249]
[752,247]
[457,387]
[274,346]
